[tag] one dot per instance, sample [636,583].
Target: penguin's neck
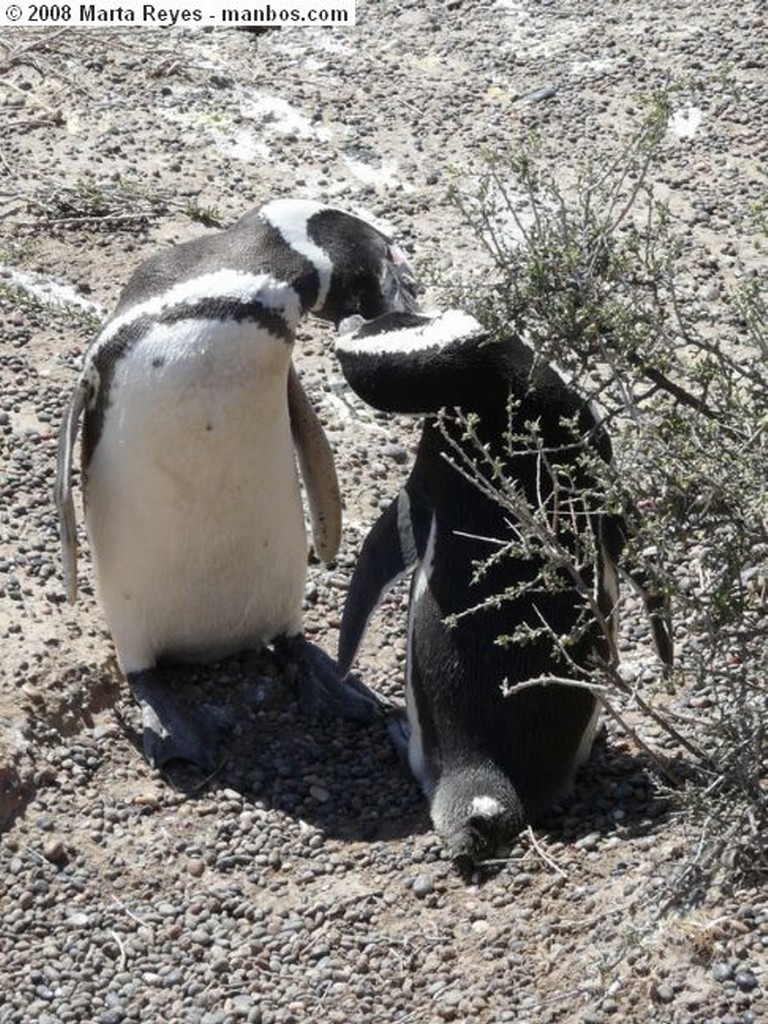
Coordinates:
[292,252]
[305,286]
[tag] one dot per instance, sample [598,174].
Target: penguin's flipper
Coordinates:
[62,491]
[173,729]
[321,691]
[317,470]
[393,546]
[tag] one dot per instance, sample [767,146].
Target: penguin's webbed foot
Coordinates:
[174,730]
[321,692]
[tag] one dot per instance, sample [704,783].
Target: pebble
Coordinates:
[745,980]
[422,886]
[54,851]
[589,842]
[662,993]
[396,452]
[722,972]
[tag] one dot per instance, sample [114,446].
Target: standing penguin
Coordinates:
[488,759]
[190,410]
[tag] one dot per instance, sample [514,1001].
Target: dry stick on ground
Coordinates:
[130,913]
[542,853]
[47,42]
[56,116]
[54,122]
[192,791]
[123,958]
[18,54]
[107,218]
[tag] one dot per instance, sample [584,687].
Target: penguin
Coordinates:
[491,749]
[190,410]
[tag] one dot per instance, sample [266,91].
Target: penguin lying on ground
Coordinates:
[190,405]
[488,760]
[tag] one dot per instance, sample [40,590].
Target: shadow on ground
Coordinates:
[339,776]
[347,779]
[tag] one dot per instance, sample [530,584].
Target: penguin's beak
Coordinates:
[405,300]
[350,324]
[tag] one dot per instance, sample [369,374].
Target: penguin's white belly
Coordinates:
[192,497]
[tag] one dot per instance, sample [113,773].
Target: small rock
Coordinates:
[422,886]
[746,980]
[114,1015]
[396,452]
[588,842]
[662,993]
[722,972]
[54,851]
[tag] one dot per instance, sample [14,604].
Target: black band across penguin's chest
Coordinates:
[207,312]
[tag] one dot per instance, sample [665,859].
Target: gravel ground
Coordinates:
[303,882]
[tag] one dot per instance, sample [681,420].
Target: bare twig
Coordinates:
[542,853]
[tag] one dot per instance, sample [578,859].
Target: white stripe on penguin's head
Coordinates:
[449,328]
[486,807]
[290,217]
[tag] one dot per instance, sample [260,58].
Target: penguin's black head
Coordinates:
[370,275]
[477,812]
[407,362]
[482,835]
